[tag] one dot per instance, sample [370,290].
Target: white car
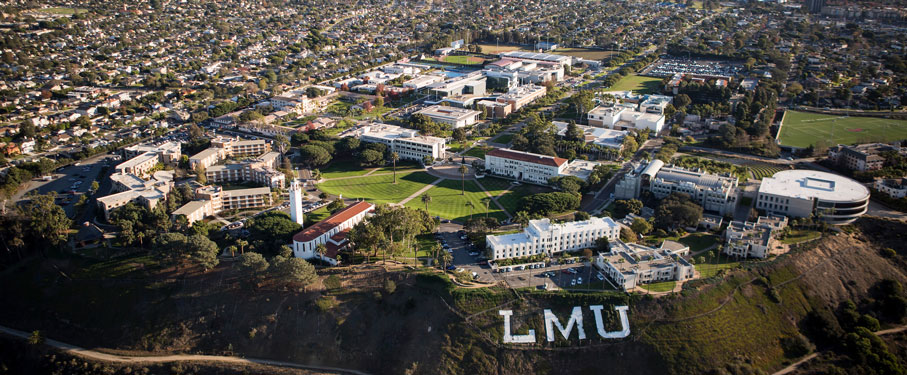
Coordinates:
[579,280]
[573,282]
[600,277]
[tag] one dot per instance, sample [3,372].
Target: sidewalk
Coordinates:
[422,190]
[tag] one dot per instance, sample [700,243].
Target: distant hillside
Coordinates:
[750,320]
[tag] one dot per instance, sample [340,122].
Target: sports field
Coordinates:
[379,189]
[463,60]
[447,202]
[801,129]
[637,84]
[61,11]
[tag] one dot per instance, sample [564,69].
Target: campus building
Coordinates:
[511,73]
[894,187]
[745,239]
[598,136]
[130,188]
[213,199]
[453,116]
[470,84]
[861,158]
[521,96]
[225,147]
[141,159]
[331,232]
[621,117]
[544,237]
[261,170]
[561,60]
[523,166]
[631,265]
[802,193]
[407,143]
[715,193]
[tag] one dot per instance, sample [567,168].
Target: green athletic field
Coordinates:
[447,202]
[637,84]
[801,129]
[379,189]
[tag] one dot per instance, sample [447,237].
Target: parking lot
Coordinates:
[72,181]
[580,276]
[461,249]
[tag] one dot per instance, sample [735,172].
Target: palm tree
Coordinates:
[463,171]
[426,199]
[316,174]
[445,258]
[471,208]
[242,245]
[394,158]
[232,250]
[487,202]
[321,250]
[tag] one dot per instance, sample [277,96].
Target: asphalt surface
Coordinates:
[461,257]
[584,278]
[65,182]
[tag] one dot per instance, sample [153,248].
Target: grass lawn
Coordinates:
[343,168]
[447,202]
[426,241]
[637,84]
[710,269]
[457,146]
[379,189]
[61,10]
[801,235]
[402,166]
[511,198]
[699,241]
[801,129]
[478,151]
[664,286]
[504,138]
[313,217]
[464,60]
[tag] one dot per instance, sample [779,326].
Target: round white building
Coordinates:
[802,193]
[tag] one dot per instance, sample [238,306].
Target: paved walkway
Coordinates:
[91,354]
[422,190]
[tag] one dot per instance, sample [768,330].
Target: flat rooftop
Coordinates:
[807,184]
[443,111]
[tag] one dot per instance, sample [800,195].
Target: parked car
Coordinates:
[573,282]
[451,267]
[600,277]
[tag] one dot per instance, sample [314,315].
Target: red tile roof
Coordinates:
[527,157]
[331,222]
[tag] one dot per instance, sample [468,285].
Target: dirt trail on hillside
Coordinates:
[91,354]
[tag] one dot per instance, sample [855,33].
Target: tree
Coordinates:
[295,271]
[394,158]
[581,216]
[602,245]
[426,199]
[169,248]
[94,187]
[459,135]
[681,101]
[379,102]
[321,250]
[641,226]
[232,249]
[46,219]
[242,245]
[200,176]
[463,171]
[314,156]
[444,258]
[202,250]
[370,157]
[472,207]
[627,235]
[336,205]
[521,217]
[574,133]
[624,207]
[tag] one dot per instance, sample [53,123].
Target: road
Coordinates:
[461,249]
[95,355]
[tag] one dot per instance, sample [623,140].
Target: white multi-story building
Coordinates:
[213,199]
[631,265]
[744,239]
[599,136]
[169,152]
[524,166]
[407,143]
[521,96]
[625,118]
[207,157]
[453,116]
[802,193]
[131,188]
[331,232]
[543,237]
[715,193]
[895,187]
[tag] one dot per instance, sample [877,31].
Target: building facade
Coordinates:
[407,143]
[744,239]
[523,166]
[631,265]
[861,158]
[453,116]
[331,232]
[715,193]
[543,237]
[803,193]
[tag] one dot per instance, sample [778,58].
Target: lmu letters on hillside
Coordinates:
[576,320]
